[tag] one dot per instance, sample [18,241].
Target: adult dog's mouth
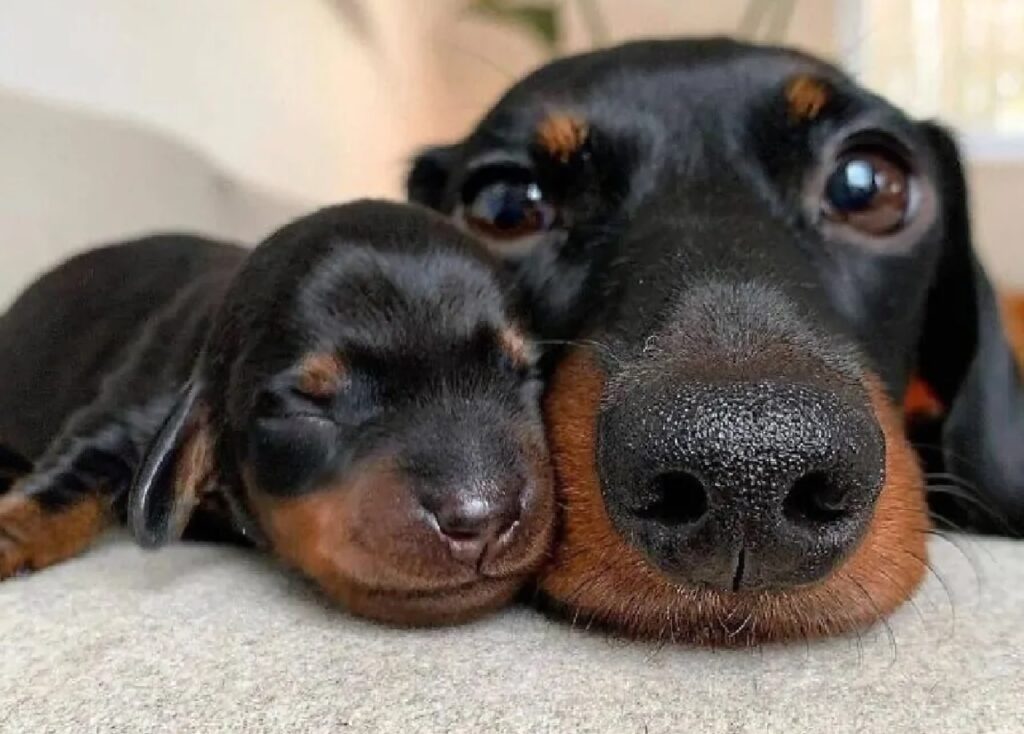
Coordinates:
[599,575]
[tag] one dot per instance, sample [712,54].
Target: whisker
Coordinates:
[659,647]
[736,633]
[945,588]
[582,343]
[848,622]
[860,647]
[950,477]
[574,596]
[942,451]
[953,490]
[947,521]
[879,617]
[904,593]
[666,625]
[980,580]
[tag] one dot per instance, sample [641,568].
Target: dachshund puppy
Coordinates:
[750,257]
[355,395]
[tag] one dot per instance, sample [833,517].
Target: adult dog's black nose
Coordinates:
[742,485]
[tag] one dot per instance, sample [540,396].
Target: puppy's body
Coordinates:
[354,395]
[72,329]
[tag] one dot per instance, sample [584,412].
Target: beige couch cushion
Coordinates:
[72,180]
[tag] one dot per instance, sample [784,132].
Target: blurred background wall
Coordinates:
[311,101]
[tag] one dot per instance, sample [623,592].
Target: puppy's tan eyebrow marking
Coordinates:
[562,134]
[806,96]
[321,374]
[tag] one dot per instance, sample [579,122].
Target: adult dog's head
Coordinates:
[751,256]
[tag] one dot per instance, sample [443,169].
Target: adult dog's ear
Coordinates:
[427,181]
[966,359]
[177,470]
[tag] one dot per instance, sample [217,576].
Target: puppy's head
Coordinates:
[368,406]
[751,255]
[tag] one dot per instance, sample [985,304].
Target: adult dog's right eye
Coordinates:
[506,206]
[870,191]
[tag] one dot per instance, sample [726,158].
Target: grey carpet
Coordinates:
[199,638]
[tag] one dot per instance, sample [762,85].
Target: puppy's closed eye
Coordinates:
[289,453]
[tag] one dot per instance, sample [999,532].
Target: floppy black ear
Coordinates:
[966,359]
[13,466]
[177,469]
[427,181]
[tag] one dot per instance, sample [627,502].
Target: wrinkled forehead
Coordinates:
[365,300]
[698,92]
[366,313]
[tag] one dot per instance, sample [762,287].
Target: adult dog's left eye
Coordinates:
[506,206]
[506,210]
[870,191]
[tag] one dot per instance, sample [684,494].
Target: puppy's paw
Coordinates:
[33,536]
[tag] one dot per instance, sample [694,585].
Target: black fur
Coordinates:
[94,352]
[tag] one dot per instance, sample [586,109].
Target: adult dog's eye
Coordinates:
[505,205]
[870,191]
[509,210]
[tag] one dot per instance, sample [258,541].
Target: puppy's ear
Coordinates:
[427,181]
[12,467]
[178,468]
[966,359]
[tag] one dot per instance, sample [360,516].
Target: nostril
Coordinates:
[459,535]
[463,521]
[471,527]
[815,499]
[466,541]
[677,498]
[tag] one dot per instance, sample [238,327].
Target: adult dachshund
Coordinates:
[750,257]
[354,395]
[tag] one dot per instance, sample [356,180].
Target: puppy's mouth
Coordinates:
[440,594]
[428,607]
[371,546]
[443,590]
[618,581]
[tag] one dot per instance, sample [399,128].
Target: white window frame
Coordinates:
[978,145]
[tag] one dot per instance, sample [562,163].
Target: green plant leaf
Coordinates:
[542,21]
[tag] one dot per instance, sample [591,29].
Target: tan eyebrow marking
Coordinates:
[806,96]
[562,134]
[321,375]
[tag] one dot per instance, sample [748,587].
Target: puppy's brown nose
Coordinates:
[472,526]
